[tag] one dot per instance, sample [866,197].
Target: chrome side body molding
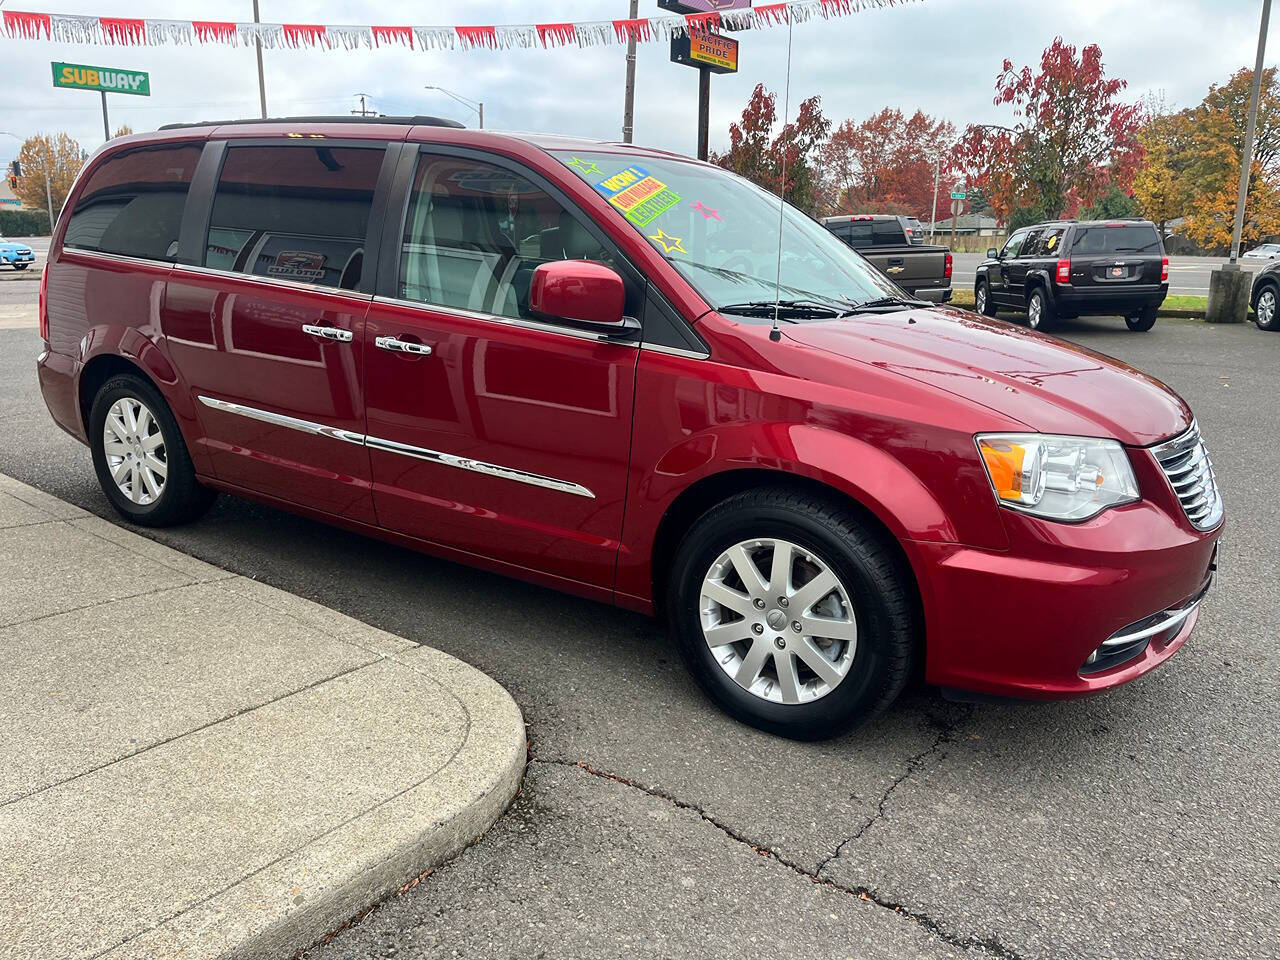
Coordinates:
[404,449]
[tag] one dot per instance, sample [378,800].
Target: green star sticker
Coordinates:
[586,167]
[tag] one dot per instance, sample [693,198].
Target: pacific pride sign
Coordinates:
[77,76]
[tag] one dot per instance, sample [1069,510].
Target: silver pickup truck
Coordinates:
[923,270]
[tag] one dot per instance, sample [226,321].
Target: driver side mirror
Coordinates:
[580,291]
[993,253]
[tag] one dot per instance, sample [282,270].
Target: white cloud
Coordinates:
[937,55]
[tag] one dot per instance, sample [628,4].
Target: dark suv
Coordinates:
[1066,269]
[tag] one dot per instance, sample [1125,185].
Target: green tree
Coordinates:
[1115,204]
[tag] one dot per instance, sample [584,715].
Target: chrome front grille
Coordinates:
[1186,463]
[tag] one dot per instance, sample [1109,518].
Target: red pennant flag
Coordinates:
[772,12]
[702,22]
[561,33]
[305,34]
[123,31]
[389,35]
[626,29]
[214,31]
[28,26]
[478,37]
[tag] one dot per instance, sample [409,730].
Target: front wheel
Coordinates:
[1141,322]
[140,457]
[1265,314]
[21,266]
[982,301]
[1040,315]
[792,615]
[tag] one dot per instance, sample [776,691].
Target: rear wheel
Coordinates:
[791,614]
[140,457]
[1040,315]
[1265,313]
[982,301]
[1141,322]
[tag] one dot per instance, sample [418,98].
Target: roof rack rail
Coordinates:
[407,121]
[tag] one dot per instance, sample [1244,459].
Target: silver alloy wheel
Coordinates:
[778,621]
[981,299]
[1265,309]
[135,451]
[1034,310]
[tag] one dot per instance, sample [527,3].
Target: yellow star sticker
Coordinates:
[588,167]
[668,242]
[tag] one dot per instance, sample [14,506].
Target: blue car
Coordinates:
[16,255]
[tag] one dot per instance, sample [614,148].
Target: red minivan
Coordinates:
[635,377]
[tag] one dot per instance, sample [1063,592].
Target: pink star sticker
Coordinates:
[707,212]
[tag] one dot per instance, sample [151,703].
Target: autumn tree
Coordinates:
[885,164]
[1071,139]
[760,156]
[1160,188]
[124,131]
[54,160]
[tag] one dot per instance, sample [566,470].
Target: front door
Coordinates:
[1000,271]
[491,430]
[268,329]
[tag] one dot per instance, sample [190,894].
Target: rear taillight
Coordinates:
[1164,269]
[43,304]
[1064,271]
[946,267]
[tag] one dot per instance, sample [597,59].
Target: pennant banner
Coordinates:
[126,32]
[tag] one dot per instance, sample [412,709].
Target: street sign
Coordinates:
[957,194]
[711,51]
[77,76]
[957,206]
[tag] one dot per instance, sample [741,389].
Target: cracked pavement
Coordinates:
[1139,824]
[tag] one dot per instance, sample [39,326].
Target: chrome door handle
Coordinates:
[328,333]
[402,346]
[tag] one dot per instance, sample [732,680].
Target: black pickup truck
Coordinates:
[1069,268]
[922,270]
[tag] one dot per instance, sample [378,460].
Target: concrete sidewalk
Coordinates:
[198,765]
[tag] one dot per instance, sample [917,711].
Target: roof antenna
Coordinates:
[775,334]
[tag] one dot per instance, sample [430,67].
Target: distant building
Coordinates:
[969,225]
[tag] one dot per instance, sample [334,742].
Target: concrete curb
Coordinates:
[367,840]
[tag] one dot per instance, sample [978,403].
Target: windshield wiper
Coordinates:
[881,303]
[785,309]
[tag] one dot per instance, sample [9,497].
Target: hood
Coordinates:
[10,247]
[1050,385]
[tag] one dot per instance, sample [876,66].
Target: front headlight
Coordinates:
[1059,478]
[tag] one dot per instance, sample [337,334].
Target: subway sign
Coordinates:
[78,76]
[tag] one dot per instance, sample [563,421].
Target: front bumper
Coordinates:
[15,256]
[1025,622]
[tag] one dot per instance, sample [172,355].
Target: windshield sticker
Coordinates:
[640,197]
[707,212]
[587,168]
[668,242]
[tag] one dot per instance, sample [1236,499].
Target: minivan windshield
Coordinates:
[1136,238]
[721,232]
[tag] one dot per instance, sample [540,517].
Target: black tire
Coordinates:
[181,497]
[1273,321]
[874,576]
[1141,322]
[21,266]
[1043,319]
[983,304]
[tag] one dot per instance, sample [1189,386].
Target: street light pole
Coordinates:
[629,93]
[262,83]
[1246,158]
[933,217]
[477,106]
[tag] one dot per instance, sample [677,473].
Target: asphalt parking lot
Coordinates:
[1140,824]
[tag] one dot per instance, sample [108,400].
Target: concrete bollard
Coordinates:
[1229,289]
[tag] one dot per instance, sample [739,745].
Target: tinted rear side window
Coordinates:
[886,233]
[132,204]
[859,235]
[1107,240]
[294,213]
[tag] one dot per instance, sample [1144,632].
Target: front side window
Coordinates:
[1013,245]
[296,213]
[722,232]
[476,232]
[132,204]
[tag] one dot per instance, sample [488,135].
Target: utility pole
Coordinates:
[363,112]
[106,125]
[629,94]
[262,83]
[933,217]
[1246,159]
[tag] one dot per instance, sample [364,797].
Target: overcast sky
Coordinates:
[940,56]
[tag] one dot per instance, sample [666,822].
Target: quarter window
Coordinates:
[132,204]
[294,213]
[476,232]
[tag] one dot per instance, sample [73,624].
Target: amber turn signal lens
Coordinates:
[1004,464]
